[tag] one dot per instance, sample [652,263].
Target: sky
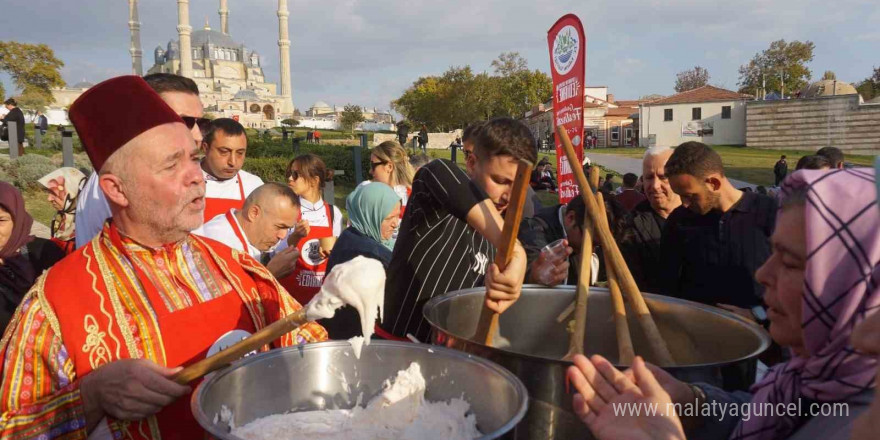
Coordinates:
[367,52]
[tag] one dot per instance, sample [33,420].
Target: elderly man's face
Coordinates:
[656,184]
[165,188]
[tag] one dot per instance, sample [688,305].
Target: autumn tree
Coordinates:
[782,67]
[869,88]
[691,79]
[351,116]
[34,70]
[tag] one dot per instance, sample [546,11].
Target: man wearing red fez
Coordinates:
[92,347]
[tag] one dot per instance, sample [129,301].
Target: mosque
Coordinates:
[230,76]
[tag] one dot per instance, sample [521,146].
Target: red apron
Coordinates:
[402,205]
[308,274]
[216,206]
[188,335]
[238,234]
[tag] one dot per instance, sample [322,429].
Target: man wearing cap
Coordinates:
[182,95]
[93,346]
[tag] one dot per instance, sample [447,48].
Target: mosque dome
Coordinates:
[828,87]
[321,104]
[246,95]
[218,39]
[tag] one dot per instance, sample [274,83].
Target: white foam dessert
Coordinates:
[399,412]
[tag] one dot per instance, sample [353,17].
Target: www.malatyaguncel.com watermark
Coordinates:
[744,411]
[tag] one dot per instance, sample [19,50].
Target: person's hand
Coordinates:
[282,264]
[129,389]
[745,313]
[606,401]
[679,392]
[550,270]
[300,231]
[504,288]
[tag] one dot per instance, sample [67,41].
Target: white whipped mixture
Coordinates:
[399,412]
[359,283]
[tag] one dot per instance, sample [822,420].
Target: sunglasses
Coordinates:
[373,165]
[191,122]
[292,175]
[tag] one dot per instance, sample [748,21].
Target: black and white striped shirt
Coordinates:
[437,251]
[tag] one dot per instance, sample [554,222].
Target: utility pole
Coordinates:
[763,87]
[782,87]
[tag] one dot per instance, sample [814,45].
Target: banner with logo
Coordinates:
[568,57]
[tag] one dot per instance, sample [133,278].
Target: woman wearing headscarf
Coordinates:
[821,282]
[373,211]
[23,257]
[63,186]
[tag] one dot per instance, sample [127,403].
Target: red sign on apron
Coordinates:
[568,55]
[308,274]
[217,206]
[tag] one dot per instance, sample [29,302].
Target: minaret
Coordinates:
[224,17]
[134,26]
[284,46]
[184,30]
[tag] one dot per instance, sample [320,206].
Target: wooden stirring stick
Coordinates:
[235,351]
[624,341]
[576,343]
[488,323]
[658,345]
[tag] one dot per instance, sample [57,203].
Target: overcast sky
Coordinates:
[368,52]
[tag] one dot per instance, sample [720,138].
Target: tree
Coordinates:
[829,75]
[869,88]
[34,69]
[32,100]
[2,93]
[782,67]
[290,122]
[691,79]
[518,88]
[351,115]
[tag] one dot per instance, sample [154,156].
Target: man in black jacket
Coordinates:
[641,236]
[15,115]
[780,170]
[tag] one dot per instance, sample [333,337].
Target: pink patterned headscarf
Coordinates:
[840,289]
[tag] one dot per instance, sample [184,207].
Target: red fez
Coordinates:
[114,112]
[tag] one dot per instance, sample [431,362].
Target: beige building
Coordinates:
[706,114]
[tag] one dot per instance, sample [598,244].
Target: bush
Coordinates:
[273,168]
[27,174]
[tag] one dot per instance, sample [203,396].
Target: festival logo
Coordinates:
[565,49]
[311,252]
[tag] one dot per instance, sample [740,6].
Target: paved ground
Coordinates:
[41,230]
[624,165]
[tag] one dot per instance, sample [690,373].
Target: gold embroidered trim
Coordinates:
[259,320]
[122,323]
[100,295]
[95,347]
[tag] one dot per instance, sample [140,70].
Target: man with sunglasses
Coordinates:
[226,184]
[182,95]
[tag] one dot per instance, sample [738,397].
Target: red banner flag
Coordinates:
[568,55]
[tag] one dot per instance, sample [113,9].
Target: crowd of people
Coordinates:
[170,251]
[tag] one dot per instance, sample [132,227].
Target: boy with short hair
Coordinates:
[452,227]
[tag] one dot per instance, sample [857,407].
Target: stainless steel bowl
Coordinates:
[310,377]
[702,340]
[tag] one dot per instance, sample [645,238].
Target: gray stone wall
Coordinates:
[436,141]
[810,124]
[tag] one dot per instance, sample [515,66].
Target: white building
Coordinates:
[706,114]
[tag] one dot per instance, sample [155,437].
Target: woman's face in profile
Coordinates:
[6,224]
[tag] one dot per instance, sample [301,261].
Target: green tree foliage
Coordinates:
[290,122]
[34,69]
[459,97]
[691,79]
[351,115]
[2,93]
[829,75]
[781,59]
[869,88]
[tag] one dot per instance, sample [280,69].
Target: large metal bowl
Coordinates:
[702,339]
[310,377]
